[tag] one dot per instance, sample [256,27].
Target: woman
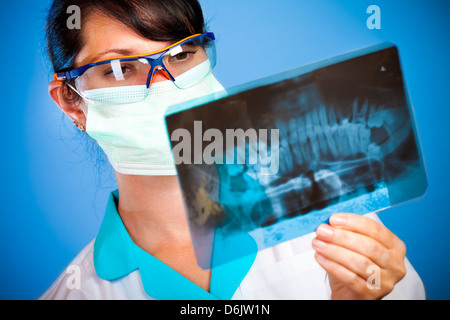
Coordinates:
[143,249]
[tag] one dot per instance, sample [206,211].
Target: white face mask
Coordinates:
[134,135]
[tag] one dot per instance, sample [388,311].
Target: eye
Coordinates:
[125,69]
[182,56]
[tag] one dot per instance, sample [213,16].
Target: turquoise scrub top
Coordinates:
[116,256]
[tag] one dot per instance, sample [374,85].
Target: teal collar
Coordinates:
[116,255]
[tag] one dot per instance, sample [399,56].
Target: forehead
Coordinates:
[104,37]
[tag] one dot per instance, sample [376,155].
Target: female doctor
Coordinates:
[114,78]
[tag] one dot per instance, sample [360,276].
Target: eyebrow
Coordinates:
[118,52]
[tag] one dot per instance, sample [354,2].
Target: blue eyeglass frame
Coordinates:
[155,59]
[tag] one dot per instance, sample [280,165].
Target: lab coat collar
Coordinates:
[113,247]
[116,255]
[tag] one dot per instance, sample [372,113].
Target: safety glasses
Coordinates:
[196,52]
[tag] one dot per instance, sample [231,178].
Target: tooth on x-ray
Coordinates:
[347,143]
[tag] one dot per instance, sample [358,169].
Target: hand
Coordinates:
[352,249]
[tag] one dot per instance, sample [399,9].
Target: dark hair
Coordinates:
[157,20]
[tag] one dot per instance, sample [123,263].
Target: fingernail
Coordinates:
[320,258]
[324,231]
[338,220]
[318,244]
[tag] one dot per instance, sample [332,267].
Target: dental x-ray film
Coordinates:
[269,161]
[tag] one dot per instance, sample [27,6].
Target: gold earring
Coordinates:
[79,126]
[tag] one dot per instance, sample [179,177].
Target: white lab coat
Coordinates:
[285,271]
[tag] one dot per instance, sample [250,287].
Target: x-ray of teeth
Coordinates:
[335,136]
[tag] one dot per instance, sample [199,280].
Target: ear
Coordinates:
[72,110]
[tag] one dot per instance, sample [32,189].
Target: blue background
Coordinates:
[54,186]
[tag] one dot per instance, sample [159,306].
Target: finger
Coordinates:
[366,226]
[355,262]
[356,242]
[339,273]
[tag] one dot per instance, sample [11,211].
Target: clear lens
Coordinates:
[116,73]
[187,64]
[190,63]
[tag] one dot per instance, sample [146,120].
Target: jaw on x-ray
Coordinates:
[337,136]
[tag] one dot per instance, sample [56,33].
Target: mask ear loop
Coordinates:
[83,108]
